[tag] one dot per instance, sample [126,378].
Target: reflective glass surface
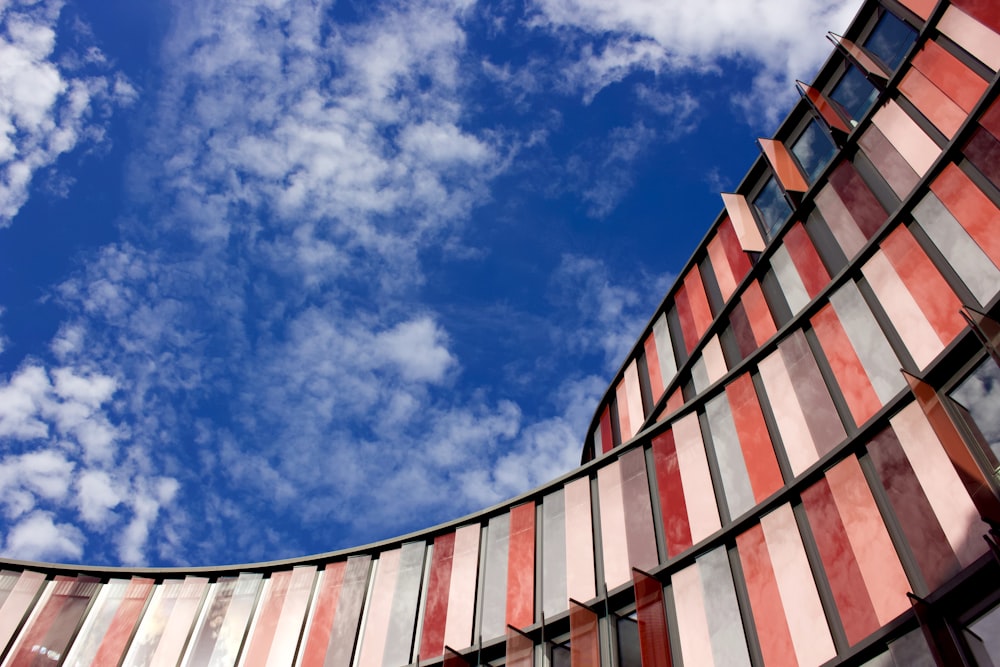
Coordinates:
[628,642]
[978,397]
[771,207]
[813,149]
[890,40]
[854,93]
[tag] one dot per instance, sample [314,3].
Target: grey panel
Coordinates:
[699,374]
[348,617]
[494,619]
[788,277]
[554,598]
[911,650]
[732,467]
[868,341]
[725,626]
[403,615]
[968,260]
[664,350]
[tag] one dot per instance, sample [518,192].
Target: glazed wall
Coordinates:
[794,465]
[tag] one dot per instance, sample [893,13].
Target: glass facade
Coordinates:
[796,464]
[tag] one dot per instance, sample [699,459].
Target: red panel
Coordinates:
[825,108]
[758,453]
[700,309]
[521,567]
[520,649]
[653,367]
[929,543]
[806,260]
[991,118]
[739,262]
[744,224]
[758,312]
[968,470]
[765,600]
[607,439]
[983,150]
[921,8]
[783,165]
[958,82]
[861,57]
[323,613]
[930,290]
[675,402]
[971,208]
[849,590]
[724,277]
[854,383]
[436,608]
[624,423]
[57,622]
[688,329]
[584,637]
[866,210]
[453,659]
[673,508]
[933,103]
[116,639]
[738,322]
[654,646]
[986,12]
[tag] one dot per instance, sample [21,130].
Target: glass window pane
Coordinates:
[772,207]
[978,399]
[561,655]
[628,642]
[854,93]
[890,40]
[813,149]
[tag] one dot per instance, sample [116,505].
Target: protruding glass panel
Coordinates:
[978,400]
[743,222]
[813,149]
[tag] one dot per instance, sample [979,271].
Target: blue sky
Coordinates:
[282,278]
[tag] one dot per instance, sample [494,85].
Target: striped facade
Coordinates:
[797,463]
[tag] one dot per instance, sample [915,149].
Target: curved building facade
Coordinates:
[797,464]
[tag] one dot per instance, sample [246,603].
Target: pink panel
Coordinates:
[614,539]
[579,541]
[633,401]
[180,622]
[673,509]
[784,166]
[945,492]
[921,8]
[436,605]
[792,426]
[762,466]
[692,623]
[958,82]
[521,566]
[761,321]
[689,331]
[794,579]
[765,600]
[116,639]
[715,360]
[864,208]
[318,639]
[289,630]
[972,36]
[675,402]
[973,209]
[268,613]
[703,515]
[17,604]
[929,288]
[724,276]
[840,221]
[739,262]
[56,623]
[985,11]
[744,224]
[932,102]
[849,591]
[379,609]
[854,383]
[653,367]
[624,421]
[876,557]
[806,260]
[462,590]
[918,149]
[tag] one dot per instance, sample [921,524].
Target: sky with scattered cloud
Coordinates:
[281,277]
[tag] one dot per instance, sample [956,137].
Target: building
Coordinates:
[797,464]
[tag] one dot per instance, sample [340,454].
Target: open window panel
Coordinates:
[976,400]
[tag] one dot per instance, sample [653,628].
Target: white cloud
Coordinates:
[47,105]
[38,537]
[417,349]
[785,40]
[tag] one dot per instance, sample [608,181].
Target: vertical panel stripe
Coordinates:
[855,386]
[932,102]
[462,588]
[664,349]
[791,284]
[324,609]
[972,36]
[896,171]
[692,625]
[973,209]
[436,603]
[554,570]
[841,222]
[614,539]
[654,646]
[918,149]
[399,638]
[494,607]
[732,469]
[758,453]
[729,644]
[638,510]
[765,601]
[673,508]
[521,567]
[791,422]
[703,515]
[761,321]
[579,541]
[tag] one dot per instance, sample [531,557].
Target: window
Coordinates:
[978,401]
[560,655]
[771,207]
[813,149]
[890,40]
[628,642]
[854,94]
